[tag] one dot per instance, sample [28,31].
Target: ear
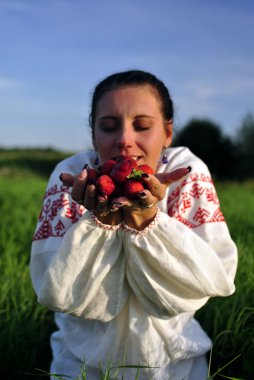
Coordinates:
[169,132]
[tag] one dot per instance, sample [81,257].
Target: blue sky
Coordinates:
[53,52]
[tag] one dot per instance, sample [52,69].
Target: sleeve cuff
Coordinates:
[145,230]
[125,227]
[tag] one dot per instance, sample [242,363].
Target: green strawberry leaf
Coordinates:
[136,174]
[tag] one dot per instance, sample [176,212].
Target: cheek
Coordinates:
[155,144]
[156,157]
[153,156]
[103,145]
[154,149]
[99,139]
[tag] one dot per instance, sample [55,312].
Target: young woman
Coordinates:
[126,277]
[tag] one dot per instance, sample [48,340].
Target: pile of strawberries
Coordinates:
[121,177]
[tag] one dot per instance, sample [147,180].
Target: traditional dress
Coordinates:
[127,296]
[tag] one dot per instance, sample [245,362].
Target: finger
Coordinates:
[157,183]
[78,189]
[175,175]
[155,187]
[119,202]
[90,197]
[114,206]
[102,205]
[67,179]
[146,199]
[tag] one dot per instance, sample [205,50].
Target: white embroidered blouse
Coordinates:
[120,292]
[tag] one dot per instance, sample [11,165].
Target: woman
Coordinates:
[126,277]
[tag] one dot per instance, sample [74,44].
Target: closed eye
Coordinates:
[108,124]
[143,123]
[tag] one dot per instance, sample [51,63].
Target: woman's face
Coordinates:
[129,122]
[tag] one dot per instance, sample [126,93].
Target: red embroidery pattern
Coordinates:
[195,201]
[58,213]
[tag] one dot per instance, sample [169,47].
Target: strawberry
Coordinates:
[146,169]
[105,185]
[92,176]
[107,166]
[132,187]
[123,169]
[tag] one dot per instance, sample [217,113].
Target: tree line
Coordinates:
[227,157]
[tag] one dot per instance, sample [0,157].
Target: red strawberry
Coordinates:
[132,187]
[92,176]
[146,168]
[123,169]
[107,166]
[105,185]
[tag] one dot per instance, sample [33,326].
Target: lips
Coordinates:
[134,157]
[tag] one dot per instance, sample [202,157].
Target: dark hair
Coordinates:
[135,78]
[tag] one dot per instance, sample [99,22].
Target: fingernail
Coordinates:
[61,177]
[142,195]
[83,174]
[102,198]
[85,166]
[189,168]
[92,189]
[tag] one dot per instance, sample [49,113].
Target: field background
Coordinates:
[25,326]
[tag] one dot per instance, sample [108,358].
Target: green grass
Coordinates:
[230,321]
[25,326]
[35,160]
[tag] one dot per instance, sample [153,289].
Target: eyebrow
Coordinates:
[107,117]
[136,117]
[148,116]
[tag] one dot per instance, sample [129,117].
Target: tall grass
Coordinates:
[230,321]
[25,326]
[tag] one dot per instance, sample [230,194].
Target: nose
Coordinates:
[125,137]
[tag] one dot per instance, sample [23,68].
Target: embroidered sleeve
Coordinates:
[194,201]
[59,212]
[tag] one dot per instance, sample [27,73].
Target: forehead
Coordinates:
[141,98]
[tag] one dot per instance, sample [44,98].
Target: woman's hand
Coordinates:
[138,214]
[86,195]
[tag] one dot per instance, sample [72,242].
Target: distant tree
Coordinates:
[205,139]
[245,147]
[245,135]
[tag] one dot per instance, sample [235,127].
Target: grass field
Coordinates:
[26,326]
